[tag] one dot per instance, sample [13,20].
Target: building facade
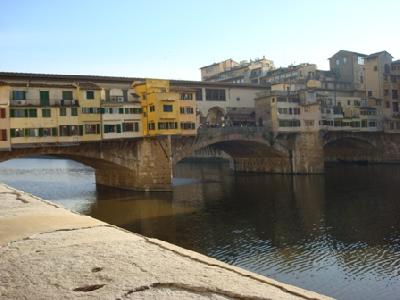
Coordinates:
[231,71]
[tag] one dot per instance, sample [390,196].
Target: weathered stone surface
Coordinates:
[86,258]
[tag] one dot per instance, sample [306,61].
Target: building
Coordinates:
[214,99]
[348,66]
[283,111]
[231,71]
[166,111]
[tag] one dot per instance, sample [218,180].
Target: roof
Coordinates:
[378,53]
[396,62]
[95,79]
[214,64]
[347,51]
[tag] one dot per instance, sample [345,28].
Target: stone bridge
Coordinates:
[147,163]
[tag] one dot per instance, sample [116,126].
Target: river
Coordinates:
[338,233]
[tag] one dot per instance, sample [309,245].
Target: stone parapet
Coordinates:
[49,252]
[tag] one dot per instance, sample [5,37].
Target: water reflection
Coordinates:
[338,234]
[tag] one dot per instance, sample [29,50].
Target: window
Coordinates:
[215,95]
[369,93]
[130,127]
[309,122]
[360,60]
[386,93]
[17,132]
[114,128]
[289,123]
[361,79]
[44,98]
[18,113]
[199,94]
[71,130]
[92,128]
[3,113]
[89,95]
[74,111]
[387,104]
[63,111]
[46,112]
[337,62]
[167,125]
[19,95]
[364,123]
[375,68]
[167,108]
[344,60]
[23,113]
[66,95]
[395,94]
[395,107]
[152,126]
[152,108]
[187,110]
[187,125]
[3,135]
[186,96]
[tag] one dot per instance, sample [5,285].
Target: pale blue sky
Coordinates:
[172,39]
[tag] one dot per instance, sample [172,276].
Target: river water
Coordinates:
[338,233]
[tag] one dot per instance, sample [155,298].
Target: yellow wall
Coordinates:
[156,93]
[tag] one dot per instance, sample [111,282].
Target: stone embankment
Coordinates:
[48,252]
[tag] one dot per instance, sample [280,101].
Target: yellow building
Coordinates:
[164,112]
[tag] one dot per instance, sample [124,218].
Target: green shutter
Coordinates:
[54,131]
[12,132]
[44,98]
[119,128]
[40,131]
[121,111]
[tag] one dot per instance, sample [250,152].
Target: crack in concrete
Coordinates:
[18,196]
[282,288]
[33,236]
[192,289]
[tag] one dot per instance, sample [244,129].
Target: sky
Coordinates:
[173,39]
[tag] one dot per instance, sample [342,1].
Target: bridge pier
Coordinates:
[304,156]
[146,167]
[307,154]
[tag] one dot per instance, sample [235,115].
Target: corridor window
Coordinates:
[215,95]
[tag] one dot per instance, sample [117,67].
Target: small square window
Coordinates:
[89,95]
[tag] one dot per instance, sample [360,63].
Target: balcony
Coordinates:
[21,102]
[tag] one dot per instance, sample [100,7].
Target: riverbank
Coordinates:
[47,252]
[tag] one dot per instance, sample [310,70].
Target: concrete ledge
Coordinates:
[49,252]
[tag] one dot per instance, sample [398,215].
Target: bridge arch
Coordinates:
[126,164]
[249,148]
[350,148]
